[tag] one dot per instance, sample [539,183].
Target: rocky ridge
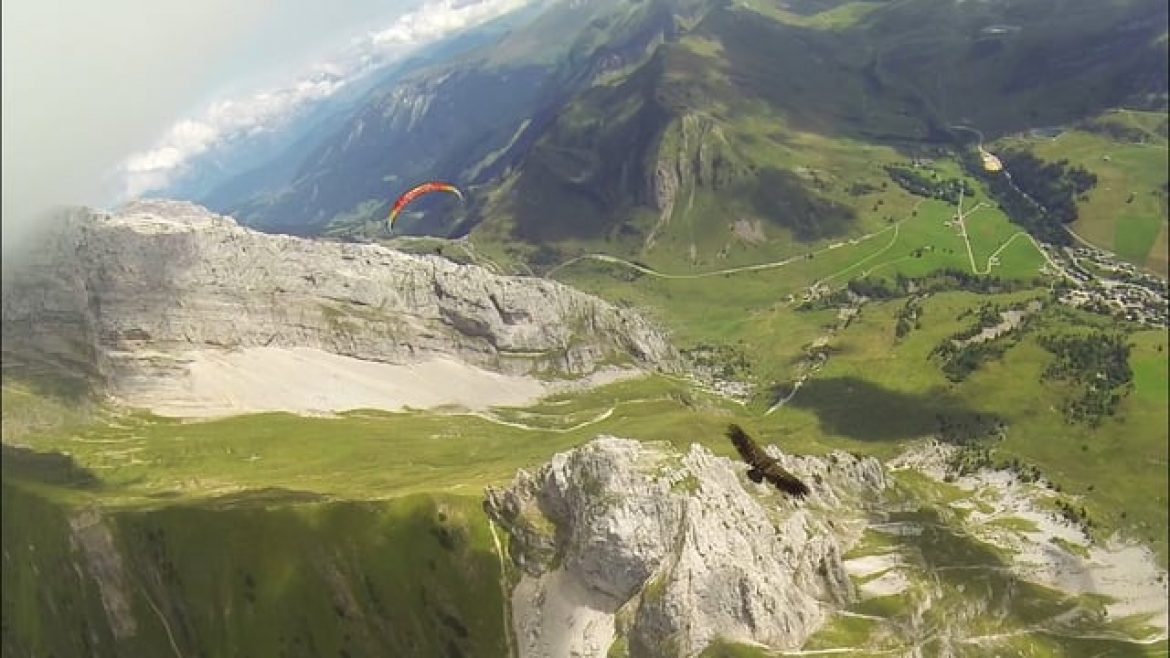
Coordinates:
[622,541]
[125,292]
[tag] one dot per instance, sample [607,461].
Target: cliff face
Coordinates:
[124,291]
[693,151]
[667,552]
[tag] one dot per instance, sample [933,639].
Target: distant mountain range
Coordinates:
[589,120]
[239,168]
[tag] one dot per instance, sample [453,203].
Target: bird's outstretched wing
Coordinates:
[747,448]
[764,467]
[785,481]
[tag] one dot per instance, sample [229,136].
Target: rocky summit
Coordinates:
[620,541]
[124,292]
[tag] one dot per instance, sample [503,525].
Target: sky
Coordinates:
[92,90]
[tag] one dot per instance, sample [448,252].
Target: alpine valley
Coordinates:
[916,248]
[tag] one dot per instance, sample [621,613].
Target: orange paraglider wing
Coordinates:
[416,192]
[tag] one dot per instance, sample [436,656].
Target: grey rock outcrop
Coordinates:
[699,155]
[671,551]
[91,538]
[121,291]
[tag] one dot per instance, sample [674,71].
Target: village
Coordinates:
[1096,281]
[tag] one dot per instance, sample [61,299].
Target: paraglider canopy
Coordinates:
[416,192]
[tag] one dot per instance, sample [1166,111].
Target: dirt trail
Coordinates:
[606,258]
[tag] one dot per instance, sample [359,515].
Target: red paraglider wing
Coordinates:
[416,192]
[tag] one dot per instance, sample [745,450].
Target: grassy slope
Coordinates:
[171,490]
[1073,456]
[262,577]
[145,460]
[1135,230]
[283,535]
[723,306]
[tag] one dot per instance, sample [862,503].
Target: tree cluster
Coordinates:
[971,459]
[1054,185]
[938,281]
[861,189]
[1025,471]
[968,429]
[1074,514]
[1099,364]
[835,299]
[723,361]
[909,317]
[1040,197]
[959,362]
[960,359]
[917,183]
[989,315]
[545,257]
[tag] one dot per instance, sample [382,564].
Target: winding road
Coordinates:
[535,428]
[606,258]
[895,228]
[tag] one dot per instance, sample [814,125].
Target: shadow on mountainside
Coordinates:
[858,409]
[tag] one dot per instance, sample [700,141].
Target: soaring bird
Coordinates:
[764,467]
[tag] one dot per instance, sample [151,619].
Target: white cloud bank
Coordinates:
[226,121]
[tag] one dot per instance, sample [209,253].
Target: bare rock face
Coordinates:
[695,152]
[123,291]
[92,540]
[620,539]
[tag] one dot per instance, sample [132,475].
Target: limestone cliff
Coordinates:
[667,552]
[693,151]
[122,291]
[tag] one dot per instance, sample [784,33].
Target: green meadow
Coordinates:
[259,573]
[1126,212]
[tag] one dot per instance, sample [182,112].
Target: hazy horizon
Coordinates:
[87,87]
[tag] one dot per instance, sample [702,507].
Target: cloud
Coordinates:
[438,19]
[222,123]
[226,121]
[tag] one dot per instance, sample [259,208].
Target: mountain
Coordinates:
[625,545]
[756,113]
[817,220]
[231,172]
[610,111]
[464,120]
[138,294]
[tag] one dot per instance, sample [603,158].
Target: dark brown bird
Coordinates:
[764,467]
